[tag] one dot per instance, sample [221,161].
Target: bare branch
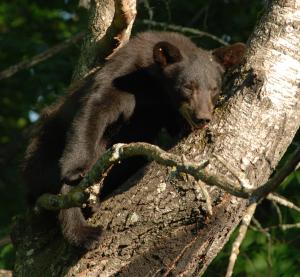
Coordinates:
[40,57]
[238,241]
[148,8]
[283,227]
[282,201]
[279,176]
[79,195]
[84,4]
[259,228]
[5,273]
[278,211]
[4,241]
[182,29]
[206,195]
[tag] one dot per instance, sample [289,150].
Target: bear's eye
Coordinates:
[187,90]
[215,90]
[188,86]
[215,94]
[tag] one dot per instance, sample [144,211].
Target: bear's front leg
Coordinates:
[85,143]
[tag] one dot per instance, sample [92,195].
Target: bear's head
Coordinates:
[193,80]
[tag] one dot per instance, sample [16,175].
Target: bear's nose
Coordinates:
[201,120]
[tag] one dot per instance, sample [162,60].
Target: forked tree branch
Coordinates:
[183,29]
[78,195]
[283,201]
[10,71]
[110,27]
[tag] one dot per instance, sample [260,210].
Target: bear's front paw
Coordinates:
[87,237]
[90,237]
[76,230]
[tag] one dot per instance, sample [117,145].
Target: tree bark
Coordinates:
[157,224]
[110,25]
[101,16]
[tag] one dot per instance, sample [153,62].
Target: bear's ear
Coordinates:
[231,55]
[165,53]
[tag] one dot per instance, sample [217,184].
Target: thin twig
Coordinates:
[282,201]
[278,211]
[267,234]
[283,227]
[40,57]
[5,240]
[238,241]
[278,177]
[182,29]
[206,195]
[149,9]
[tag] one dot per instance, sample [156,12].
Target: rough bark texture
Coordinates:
[101,16]
[157,224]
[110,25]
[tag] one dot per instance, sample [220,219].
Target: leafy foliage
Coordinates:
[28,28]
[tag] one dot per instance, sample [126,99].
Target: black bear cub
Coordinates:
[153,82]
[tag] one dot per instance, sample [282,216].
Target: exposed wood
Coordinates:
[110,25]
[5,273]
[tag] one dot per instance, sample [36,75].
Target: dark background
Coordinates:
[28,28]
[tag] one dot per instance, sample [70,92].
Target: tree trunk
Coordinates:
[157,224]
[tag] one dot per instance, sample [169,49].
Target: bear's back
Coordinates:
[138,53]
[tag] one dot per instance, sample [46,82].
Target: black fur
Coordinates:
[150,83]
